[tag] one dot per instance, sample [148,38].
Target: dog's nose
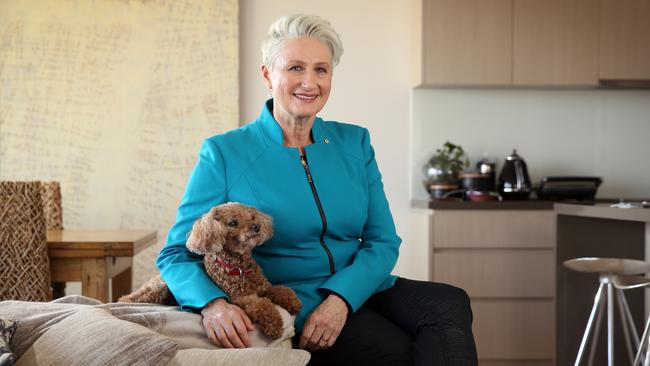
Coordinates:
[256,228]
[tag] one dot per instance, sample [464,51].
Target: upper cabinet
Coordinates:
[467,42]
[555,42]
[624,40]
[534,42]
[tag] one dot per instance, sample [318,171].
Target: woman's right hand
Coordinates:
[226,325]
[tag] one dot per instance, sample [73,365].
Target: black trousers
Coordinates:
[412,323]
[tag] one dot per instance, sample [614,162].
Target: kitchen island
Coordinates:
[595,231]
[508,256]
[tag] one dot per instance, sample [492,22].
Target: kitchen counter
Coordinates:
[492,205]
[604,211]
[597,208]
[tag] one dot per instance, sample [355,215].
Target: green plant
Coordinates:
[447,163]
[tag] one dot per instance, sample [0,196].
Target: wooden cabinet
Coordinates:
[555,42]
[624,40]
[534,42]
[508,330]
[467,42]
[505,260]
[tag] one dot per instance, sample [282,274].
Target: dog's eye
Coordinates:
[233,223]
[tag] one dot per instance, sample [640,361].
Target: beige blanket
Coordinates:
[185,328]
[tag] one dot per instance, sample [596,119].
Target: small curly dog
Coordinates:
[225,236]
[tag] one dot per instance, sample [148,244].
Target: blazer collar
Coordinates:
[273,132]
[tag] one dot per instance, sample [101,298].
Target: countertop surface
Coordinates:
[604,211]
[578,208]
[491,205]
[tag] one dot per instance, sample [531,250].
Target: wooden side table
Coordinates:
[95,256]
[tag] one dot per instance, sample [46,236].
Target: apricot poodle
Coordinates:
[225,236]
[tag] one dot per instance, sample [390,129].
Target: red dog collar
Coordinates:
[233,270]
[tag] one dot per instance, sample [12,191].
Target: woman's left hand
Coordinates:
[324,324]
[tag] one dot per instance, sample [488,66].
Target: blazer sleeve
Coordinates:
[379,249]
[182,270]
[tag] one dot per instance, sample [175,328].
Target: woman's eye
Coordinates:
[321,70]
[295,68]
[232,223]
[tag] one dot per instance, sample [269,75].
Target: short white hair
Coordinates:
[297,26]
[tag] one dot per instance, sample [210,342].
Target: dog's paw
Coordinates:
[266,317]
[271,325]
[294,306]
[273,332]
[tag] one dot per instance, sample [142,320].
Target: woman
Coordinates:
[335,242]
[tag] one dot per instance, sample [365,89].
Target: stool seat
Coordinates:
[608,265]
[625,282]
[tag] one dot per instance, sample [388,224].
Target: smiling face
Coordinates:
[300,80]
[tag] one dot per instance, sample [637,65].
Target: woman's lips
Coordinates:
[305,97]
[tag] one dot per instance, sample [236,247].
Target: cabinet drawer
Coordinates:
[497,273]
[493,229]
[514,329]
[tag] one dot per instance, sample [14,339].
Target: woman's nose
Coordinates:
[308,80]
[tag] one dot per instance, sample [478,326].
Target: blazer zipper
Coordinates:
[303,160]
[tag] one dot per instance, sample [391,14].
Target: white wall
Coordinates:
[371,87]
[602,133]
[112,99]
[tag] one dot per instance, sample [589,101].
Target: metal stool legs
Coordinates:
[611,271]
[629,331]
[624,282]
[594,310]
[642,345]
[628,325]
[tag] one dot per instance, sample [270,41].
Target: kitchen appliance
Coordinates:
[477,182]
[567,187]
[514,182]
[488,167]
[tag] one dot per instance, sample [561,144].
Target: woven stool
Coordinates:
[24,264]
[51,197]
[609,269]
[624,282]
[52,209]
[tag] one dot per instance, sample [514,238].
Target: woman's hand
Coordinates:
[324,324]
[226,325]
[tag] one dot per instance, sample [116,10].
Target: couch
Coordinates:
[84,331]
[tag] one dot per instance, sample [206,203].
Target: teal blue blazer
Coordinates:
[334,234]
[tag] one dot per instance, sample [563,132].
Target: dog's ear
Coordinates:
[208,234]
[266,227]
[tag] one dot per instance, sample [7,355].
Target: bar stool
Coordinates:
[624,282]
[609,269]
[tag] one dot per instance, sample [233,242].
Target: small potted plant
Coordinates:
[443,170]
